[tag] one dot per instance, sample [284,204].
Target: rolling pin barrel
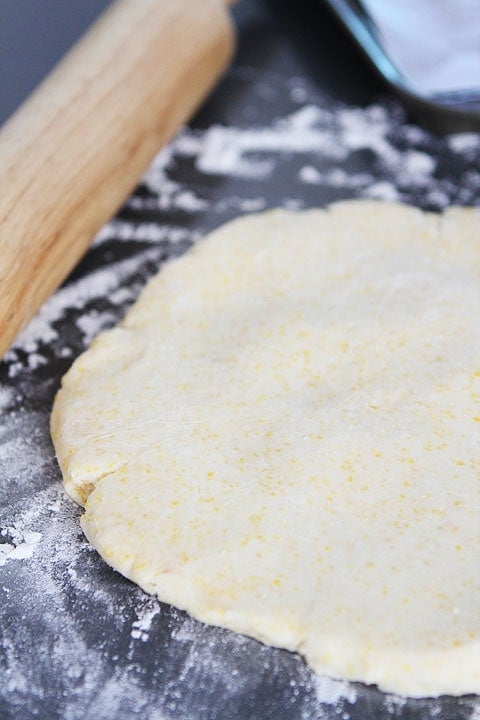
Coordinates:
[78,146]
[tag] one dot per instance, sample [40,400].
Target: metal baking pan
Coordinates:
[428,52]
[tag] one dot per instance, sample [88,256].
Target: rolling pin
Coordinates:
[79,144]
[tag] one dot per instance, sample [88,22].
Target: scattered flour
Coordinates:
[145,232]
[309,174]
[382,190]
[331,691]
[76,295]
[20,544]
[141,626]
[466,143]
[6,397]
[476,713]
[93,323]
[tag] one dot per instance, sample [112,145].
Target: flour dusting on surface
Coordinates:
[17,545]
[331,691]
[141,626]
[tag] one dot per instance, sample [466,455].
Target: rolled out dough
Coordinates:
[283,438]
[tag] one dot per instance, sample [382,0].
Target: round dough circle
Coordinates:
[282,437]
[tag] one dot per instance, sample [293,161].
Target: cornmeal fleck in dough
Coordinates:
[283,438]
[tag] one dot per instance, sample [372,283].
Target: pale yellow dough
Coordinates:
[283,438]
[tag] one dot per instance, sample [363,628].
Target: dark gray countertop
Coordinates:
[299,120]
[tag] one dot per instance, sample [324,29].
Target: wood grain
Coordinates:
[78,146]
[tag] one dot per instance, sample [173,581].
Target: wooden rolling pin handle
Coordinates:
[78,146]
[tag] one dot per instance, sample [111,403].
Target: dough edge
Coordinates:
[81,490]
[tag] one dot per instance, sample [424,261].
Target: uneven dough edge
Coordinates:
[81,487]
[391,671]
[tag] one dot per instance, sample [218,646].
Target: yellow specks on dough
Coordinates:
[287,426]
